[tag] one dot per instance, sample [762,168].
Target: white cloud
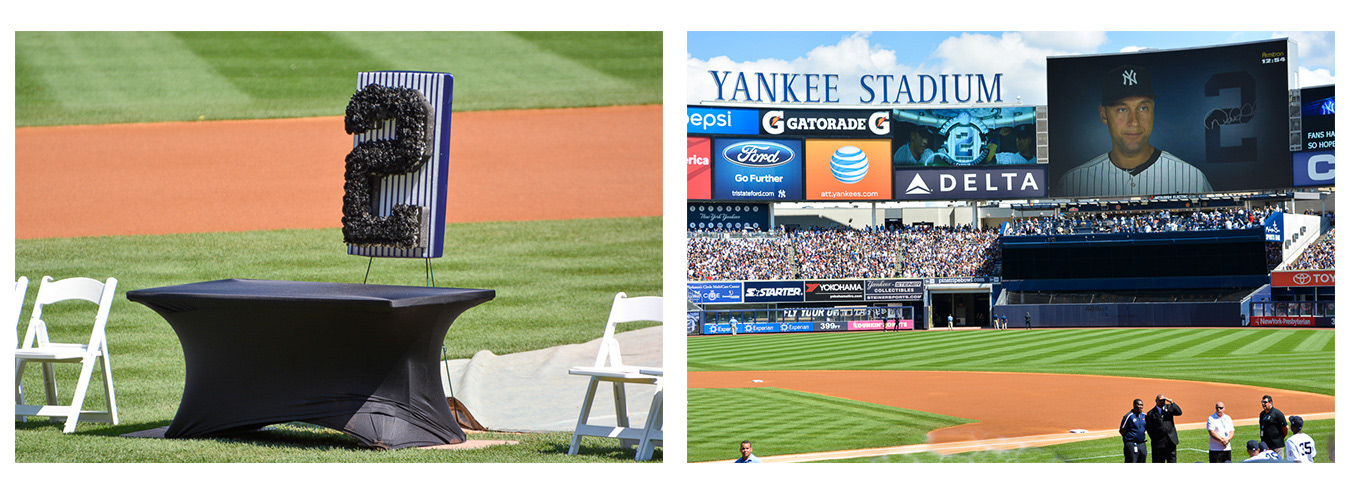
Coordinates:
[1315,77]
[1316,49]
[1066,41]
[851,58]
[1019,57]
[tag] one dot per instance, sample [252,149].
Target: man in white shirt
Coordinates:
[1299,446]
[1220,426]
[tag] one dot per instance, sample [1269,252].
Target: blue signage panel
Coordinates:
[1004,182]
[1274,227]
[727,292]
[1315,168]
[774,291]
[707,120]
[760,169]
[760,327]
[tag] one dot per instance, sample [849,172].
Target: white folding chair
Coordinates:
[38,348]
[609,367]
[20,291]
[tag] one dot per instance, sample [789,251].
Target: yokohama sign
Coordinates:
[1303,278]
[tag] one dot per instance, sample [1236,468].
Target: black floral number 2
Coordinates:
[370,161]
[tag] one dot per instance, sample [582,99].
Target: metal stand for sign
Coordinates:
[427,271]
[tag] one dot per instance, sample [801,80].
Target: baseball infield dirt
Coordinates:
[1011,405]
[241,175]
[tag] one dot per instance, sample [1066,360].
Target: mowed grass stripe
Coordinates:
[1169,353]
[1263,345]
[779,421]
[65,78]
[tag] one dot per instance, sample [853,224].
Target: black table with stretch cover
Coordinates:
[362,359]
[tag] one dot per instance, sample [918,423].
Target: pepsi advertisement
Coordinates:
[757,169]
[709,120]
[1171,122]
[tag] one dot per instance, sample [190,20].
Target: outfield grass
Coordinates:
[781,422]
[64,78]
[1251,356]
[555,281]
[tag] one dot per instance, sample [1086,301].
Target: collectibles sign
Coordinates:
[764,169]
[714,293]
[774,87]
[833,291]
[826,122]
[908,290]
[1004,182]
[1302,278]
[729,216]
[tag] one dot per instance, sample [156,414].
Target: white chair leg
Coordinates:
[81,388]
[585,412]
[108,394]
[18,389]
[621,413]
[652,429]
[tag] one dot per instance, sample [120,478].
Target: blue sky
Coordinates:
[1020,56]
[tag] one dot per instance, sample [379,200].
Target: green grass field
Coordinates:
[1260,357]
[555,280]
[63,78]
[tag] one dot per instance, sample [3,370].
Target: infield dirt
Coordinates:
[1009,405]
[242,175]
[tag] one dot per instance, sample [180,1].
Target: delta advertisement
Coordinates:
[1170,122]
[1315,165]
[964,136]
[757,169]
[698,168]
[1002,182]
[848,169]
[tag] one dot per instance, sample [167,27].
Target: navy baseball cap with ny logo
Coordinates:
[1125,81]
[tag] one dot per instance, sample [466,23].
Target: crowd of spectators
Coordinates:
[1320,255]
[724,255]
[1141,221]
[948,252]
[843,252]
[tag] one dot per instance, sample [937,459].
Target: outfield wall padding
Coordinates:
[1155,314]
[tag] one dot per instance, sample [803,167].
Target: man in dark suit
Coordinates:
[1162,432]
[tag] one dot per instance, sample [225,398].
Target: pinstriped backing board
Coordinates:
[425,187]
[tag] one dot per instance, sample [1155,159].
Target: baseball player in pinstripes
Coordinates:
[1133,166]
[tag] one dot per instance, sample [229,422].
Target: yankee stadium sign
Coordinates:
[774,87]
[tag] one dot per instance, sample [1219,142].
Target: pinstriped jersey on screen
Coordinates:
[1163,174]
